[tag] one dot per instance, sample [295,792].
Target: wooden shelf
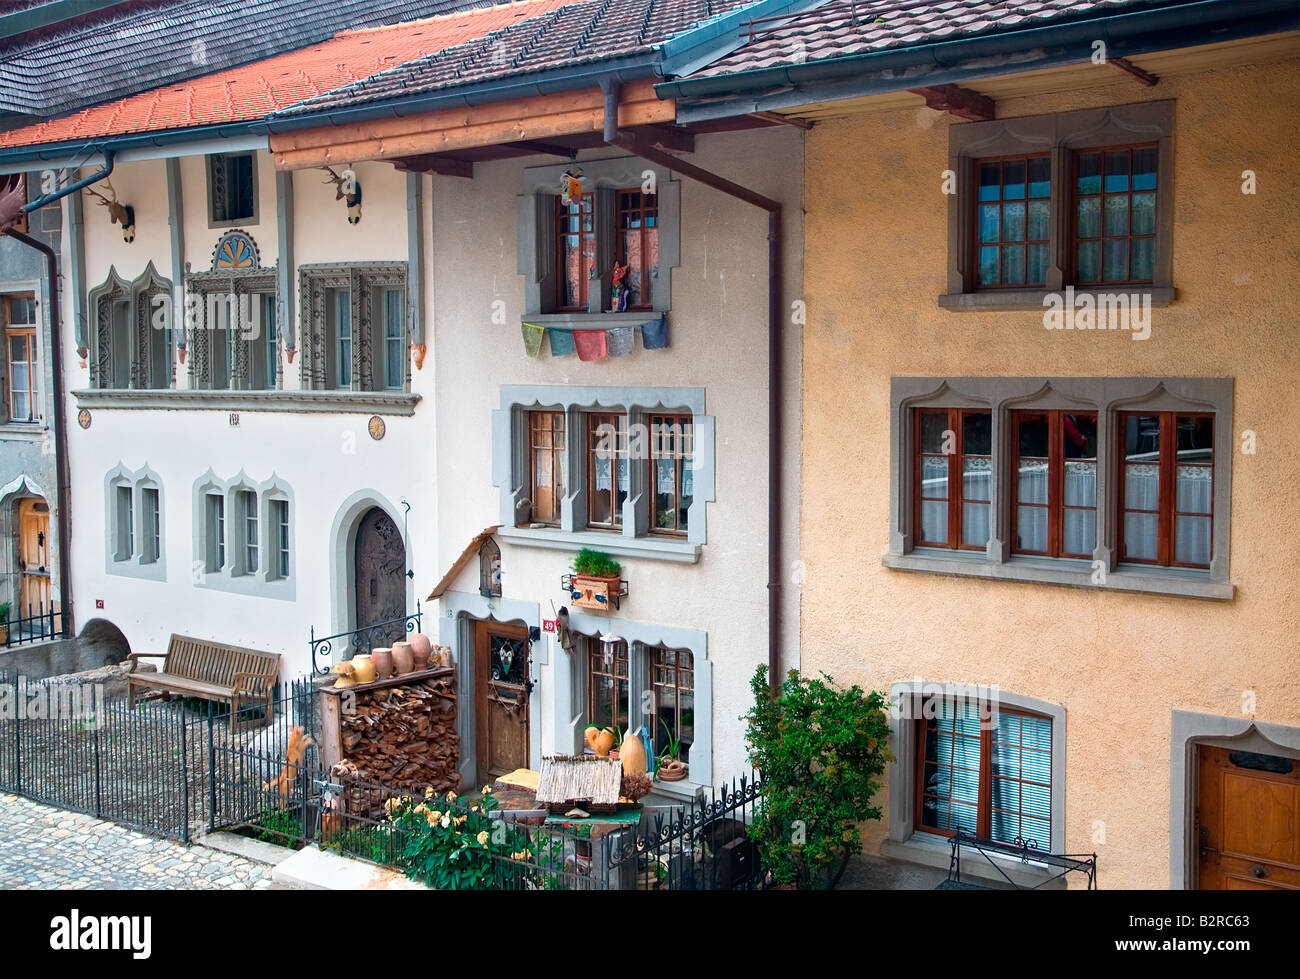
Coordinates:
[393,681]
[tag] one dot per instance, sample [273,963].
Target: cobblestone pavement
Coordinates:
[42,847]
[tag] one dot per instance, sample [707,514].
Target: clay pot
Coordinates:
[671,771]
[364,669]
[632,754]
[403,658]
[382,657]
[421,649]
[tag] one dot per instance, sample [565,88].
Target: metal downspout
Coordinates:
[613,136]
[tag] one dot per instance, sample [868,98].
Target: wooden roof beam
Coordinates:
[670,139]
[445,166]
[1126,66]
[549,149]
[961,102]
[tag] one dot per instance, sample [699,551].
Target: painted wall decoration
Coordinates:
[83,418]
[235,250]
[377,428]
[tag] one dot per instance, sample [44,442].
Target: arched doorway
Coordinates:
[379,575]
[32,535]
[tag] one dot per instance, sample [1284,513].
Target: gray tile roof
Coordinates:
[581,33]
[842,28]
[138,47]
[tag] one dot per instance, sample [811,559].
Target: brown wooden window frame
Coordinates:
[1055,505]
[984,800]
[595,443]
[644,211]
[956,498]
[598,674]
[25,332]
[1167,512]
[1102,237]
[565,215]
[1001,244]
[677,686]
[680,453]
[559,458]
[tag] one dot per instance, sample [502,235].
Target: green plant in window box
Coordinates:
[669,767]
[819,750]
[4,623]
[596,578]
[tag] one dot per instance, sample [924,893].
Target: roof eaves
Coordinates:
[936,62]
[703,44]
[88,148]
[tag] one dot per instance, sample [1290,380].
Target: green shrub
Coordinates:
[819,750]
[596,564]
[450,842]
[277,826]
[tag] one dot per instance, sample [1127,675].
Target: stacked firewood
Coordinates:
[403,738]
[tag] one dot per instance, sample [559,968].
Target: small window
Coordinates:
[1013,221]
[152,525]
[672,684]
[216,528]
[340,335]
[1054,510]
[549,463]
[954,477]
[260,343]
[575,252]
[607,684]
[125,517]
[991,778]
[272,341]
[1167,489]
[248,506]
[280,527]
[232,186]
[1115,215]
[607,475]
[394,334]
[637,246]
[672,447]
[21,346]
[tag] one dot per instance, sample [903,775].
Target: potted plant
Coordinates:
[596,578]
[4,623]
[669,767]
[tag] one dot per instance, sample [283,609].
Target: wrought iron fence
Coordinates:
[183,768]
[361,639]
[40,624]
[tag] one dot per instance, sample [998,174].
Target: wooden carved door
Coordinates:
[1248,821]
[33,557]
[380,577]
[502,689]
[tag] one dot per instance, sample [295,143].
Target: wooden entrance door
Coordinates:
[33,557]
[501,697]
[380,576]
[1248,821]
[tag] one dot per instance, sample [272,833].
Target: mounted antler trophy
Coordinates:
[347,188]
[123,214]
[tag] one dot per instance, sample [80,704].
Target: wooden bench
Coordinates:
[211,671]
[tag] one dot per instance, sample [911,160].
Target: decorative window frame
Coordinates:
[211,197]
[1059,134]
[364,280]
[22,428]
[1108,397]
[100,302]
[145,291]
[138,564]
[265,582]
[245,285]
[511,470]
[908,841]
[569,694]
[536,236]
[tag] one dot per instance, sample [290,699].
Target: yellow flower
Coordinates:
[487,789]
[428,793]
[421,808]
[460,819]
[451,796]
[431,818]
[474,807]
[482,838]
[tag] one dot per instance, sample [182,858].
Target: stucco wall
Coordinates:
[719,342]
[1118,663]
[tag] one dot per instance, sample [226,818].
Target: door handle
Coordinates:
[1259,870]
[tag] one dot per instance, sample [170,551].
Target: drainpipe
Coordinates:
[613,136]
[61,476]
[60,430]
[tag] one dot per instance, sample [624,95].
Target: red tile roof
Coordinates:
[253,90]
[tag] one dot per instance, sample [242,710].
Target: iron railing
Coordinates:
[40,624]
[1055,866]
[360,640]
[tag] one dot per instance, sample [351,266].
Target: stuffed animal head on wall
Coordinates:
[123,214]
[347,188]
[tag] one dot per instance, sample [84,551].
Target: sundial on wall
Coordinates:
[235,250]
